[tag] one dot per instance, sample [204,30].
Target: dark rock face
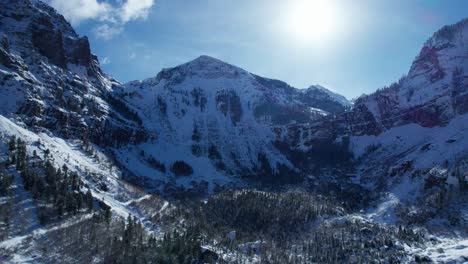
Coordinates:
[6,57]
[81,52]
[228,102]
[199,98]
[48,41]
[361,121]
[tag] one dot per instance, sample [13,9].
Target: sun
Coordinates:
[310,21]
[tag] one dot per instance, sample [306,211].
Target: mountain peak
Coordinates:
[326,92]
[206,59]
[203,66]
[208,63]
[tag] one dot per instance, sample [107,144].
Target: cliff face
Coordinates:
[50,79]
[431,94]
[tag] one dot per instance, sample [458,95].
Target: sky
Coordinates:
[350,47]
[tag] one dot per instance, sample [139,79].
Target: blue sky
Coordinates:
[372,44]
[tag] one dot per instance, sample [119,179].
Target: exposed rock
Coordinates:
[228,102]
[49,41]
[436,177]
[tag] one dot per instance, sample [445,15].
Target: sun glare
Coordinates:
[312,20]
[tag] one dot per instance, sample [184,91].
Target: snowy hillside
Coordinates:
[95,171]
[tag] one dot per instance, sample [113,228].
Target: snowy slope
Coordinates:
[94,169]
[411,148]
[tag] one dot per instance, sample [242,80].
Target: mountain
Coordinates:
[217,118]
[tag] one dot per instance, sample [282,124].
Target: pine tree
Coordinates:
[89,200]
[12,143]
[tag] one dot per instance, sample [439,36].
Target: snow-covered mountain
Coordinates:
[218,119]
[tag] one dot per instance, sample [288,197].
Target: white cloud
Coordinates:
[77,11]
[118,15]
[135,9]
[105,61]
[107,32]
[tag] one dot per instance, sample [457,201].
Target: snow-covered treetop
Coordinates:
[451,33]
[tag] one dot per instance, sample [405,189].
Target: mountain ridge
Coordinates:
[205,64]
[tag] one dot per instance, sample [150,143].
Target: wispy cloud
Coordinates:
[112,17]
[105,61]
[107,32]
